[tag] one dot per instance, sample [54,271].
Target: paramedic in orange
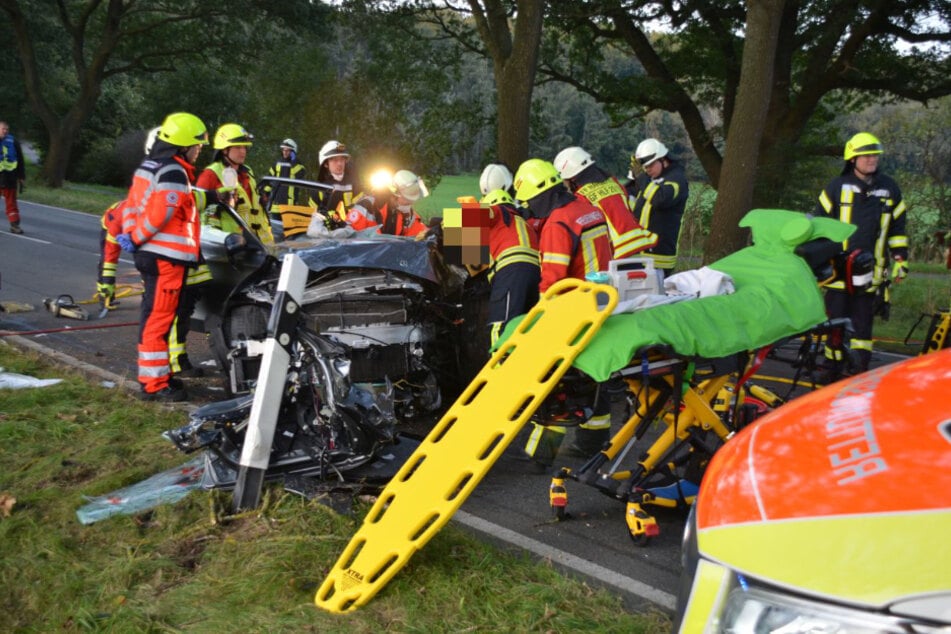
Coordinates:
[163,214]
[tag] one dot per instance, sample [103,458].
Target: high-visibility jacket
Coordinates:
[285,195]
[371,212]
[345,191]
[12,168]
[111,224]
[247,204]
[877,210]
[514,268]
[659,207]
[160,211]
[628,237]
[574,241]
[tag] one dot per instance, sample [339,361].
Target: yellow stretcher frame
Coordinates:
[705,401]
[467,441]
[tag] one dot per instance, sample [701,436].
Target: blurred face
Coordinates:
[4,128]
[337,165]
[286,152]
[654,169]
[191,154]
[237,154]
[866,165]
[403,201]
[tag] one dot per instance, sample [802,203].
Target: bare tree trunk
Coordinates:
[740,159]
[514,52]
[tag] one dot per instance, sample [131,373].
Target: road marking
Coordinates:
[23,237]
[72,211]
[567,560]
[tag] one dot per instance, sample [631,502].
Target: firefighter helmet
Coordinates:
[290,144]
[230,135]
[862,144]
[533,177]
[648,151]
[183,129]
[494,176]
[408,185]
[497,197]
[571,161]
[331,149]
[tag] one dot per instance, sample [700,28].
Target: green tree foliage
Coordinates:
[70,53]
[831,55]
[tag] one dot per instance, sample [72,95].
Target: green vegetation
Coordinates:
[191,567]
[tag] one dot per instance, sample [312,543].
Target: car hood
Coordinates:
[844,493]
[404,255]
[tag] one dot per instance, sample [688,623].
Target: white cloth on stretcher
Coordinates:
[702,282]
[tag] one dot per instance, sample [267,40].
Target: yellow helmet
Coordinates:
[533,177]
[497,197]
[231,134]
[862,144]
[183,129]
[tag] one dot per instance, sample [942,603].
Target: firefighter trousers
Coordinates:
[163,280]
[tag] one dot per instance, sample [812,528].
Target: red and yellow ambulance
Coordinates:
[831,514]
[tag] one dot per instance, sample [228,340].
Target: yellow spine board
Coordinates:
[467,440]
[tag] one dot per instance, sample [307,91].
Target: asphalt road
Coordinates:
[58,255]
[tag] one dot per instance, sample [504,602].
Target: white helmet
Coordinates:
[494,176]
[649,150]
[331,149]
[290,144]
[571,161]
[408,185]
[150,139]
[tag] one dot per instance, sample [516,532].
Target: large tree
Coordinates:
[829,55]
[509,34]
[68,49]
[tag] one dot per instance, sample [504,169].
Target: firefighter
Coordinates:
[231,144]
[514,271]
[585,179]
[573,242]
[109,250]
[334,168]
[870,200]
[287,166]
[392,209]
[163,216]
[12,174]
[660,196]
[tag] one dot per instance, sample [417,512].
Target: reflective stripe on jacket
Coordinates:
[877,210]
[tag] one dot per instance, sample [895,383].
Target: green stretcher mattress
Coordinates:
[776,296]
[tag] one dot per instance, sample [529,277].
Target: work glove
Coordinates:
[225,195]
[125,241]
[107,295]
[899,269]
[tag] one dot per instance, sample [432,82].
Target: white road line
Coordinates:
[602,574]
[23,237]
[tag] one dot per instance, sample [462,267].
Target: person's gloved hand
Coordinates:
[125,241]
[899,269]
[107,295]
[225,195]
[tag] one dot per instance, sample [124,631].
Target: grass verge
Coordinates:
[191,567]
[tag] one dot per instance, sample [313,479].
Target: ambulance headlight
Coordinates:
[758,611]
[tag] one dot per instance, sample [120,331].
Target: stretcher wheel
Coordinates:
[641,540]
[560,512]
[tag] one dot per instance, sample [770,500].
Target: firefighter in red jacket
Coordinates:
[392,210]
[163,214]
[574,241]
[587,180]
[514,268]
[109,251]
